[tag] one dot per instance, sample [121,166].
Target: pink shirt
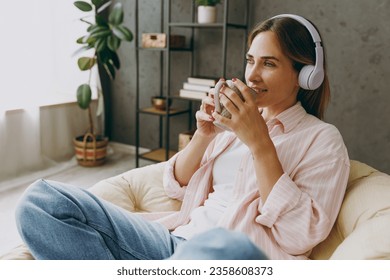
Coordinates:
[302,206]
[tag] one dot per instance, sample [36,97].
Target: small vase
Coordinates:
[207,14]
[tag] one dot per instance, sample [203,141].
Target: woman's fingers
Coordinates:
[230,100]
[203,116]
[246,92]
[205,110]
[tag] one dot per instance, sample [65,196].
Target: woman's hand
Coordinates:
[249,126]
[189,159]
[246,121]
[204,118]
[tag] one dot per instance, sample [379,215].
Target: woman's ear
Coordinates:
[296,77]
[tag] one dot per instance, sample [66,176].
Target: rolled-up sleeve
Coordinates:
[301,213]
[284,197]
[171,185]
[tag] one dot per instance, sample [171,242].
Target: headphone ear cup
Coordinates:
[304,76]
[310,78]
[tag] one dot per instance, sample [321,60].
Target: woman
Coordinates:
[279,176]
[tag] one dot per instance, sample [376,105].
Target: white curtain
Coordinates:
[20,143]
[38,41]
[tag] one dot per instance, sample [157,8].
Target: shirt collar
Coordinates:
[289,118]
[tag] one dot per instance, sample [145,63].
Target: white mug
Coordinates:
[219,108]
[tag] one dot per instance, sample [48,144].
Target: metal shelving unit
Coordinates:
[163,152]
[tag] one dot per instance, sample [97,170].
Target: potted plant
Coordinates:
[104,36]
[207,12]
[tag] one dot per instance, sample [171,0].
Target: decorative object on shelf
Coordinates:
[104,38]
[185,138]
[153,40]
[158,40]
[160,102]
[207,12]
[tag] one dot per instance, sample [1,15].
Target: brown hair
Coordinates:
[297,44]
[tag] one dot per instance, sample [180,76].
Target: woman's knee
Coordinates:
[36,199]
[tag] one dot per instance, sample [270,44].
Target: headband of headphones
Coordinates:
[311,76]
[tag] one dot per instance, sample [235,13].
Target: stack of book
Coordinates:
[197,87]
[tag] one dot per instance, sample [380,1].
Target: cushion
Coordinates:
[137,190]
[20,252]
[362,228]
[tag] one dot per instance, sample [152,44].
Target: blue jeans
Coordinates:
[59,221]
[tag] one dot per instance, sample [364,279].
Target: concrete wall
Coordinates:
[356,38]
[208,58]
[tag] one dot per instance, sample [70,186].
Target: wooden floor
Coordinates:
[117,162]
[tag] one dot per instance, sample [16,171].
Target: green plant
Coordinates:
[207,2]
[104,36]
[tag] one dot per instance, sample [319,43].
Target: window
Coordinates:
[37,47]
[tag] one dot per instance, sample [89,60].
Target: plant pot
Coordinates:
[90,150]
[207,14]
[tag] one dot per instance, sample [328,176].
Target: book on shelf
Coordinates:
[202,81]
[198,87]
[195,94]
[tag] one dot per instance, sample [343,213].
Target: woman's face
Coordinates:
[270,72]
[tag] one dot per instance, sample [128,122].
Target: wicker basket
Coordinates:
[91,150]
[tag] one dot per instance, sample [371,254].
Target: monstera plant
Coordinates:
[104,34]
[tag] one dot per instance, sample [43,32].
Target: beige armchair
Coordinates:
[362,229]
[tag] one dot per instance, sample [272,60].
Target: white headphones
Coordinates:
[310,76]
